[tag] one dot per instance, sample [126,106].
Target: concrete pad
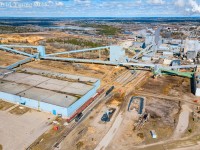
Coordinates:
[12,88]
[73,91]
[18,132]
[16,76]
[80,86]
[57,82]
[49,97]
[37,94]
[32,80]
[50,86]
[61,100]
[26,78]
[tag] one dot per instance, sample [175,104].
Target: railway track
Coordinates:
[131,78]
[126,77]
[122,77]
[56,145]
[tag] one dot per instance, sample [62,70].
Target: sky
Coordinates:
[99,8]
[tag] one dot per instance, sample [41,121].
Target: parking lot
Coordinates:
[21,126]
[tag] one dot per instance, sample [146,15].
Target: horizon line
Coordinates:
[98,17]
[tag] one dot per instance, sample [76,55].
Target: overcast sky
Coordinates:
[99,8]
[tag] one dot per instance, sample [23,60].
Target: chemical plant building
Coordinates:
[48,94]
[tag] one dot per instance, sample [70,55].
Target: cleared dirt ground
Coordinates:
[20,110]
[161,121]
[167,85]
[5,105]
[7,59]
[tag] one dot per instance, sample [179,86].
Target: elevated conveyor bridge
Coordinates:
[116,54]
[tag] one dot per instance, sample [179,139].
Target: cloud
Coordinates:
[138,2]
[195,7]
[60,4]
[10,0]
[82,1]
[180,3]
[37,4]
[189,7]
[157,2]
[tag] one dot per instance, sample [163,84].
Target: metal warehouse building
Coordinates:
[48,94]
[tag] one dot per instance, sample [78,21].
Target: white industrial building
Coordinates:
[48,94]
[191,48]
[197,84]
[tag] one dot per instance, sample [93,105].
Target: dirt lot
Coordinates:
[20,110]
[160,121]
[163,110]
[167,85]
[15,38]
[191,142]
[5,105]
[22,127]
[9,58]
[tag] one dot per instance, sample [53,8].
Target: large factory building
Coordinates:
[63,97]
